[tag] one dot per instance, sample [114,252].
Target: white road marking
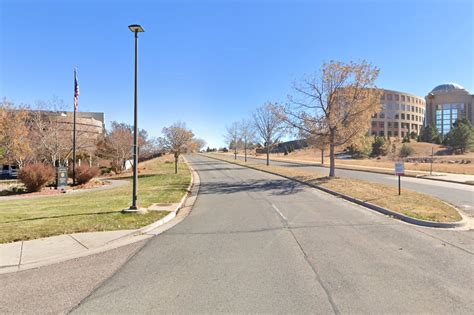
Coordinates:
[279,212]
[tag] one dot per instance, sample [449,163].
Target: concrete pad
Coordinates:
[171,207]
[97,239]
[48,248]
[10,254]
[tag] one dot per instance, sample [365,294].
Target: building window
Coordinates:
[381,124]
[403,98]
[382,133]
[382,97]
[395,125]
[397,116]
[389,97]
[389,125]
[412,108]
[389,133]
[403,106]
[397,97]
[403,116]
[382,115]
[446,115]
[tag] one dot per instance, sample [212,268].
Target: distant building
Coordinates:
[86,122]
[401,114]
[90,126]
[446,103]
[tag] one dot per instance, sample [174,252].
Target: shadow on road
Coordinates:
[276,187]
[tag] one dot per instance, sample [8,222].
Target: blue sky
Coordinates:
[209,63]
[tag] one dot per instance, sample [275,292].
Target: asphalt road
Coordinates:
[459,195]
[258,243]
[57,288]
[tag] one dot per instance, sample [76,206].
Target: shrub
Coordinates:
[35,176]
[380,147]
[84,173]
[105,170]
[406,150]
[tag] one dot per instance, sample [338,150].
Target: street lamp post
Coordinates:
[135,28]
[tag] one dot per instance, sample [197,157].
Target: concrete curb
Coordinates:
[400,216]
[420,176]
[173,213]
[144,233]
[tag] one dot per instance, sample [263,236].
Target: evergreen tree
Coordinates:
[379,147]
[429,134]
[461,137]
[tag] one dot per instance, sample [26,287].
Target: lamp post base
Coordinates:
[135,210]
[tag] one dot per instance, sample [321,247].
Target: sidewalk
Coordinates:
[445,177]
[30,254]
[24,255]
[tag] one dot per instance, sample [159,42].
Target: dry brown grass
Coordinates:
[442,163]
[410,203]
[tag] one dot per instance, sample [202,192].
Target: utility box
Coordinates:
[61,177]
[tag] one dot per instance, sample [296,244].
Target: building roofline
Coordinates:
[400,92]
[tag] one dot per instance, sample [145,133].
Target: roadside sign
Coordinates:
[399,168]
[61,177]
[399,171]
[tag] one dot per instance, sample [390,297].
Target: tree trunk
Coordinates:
[245,150]
[268,155]
[322,156]
[176,164]
[332,162]
[235,153]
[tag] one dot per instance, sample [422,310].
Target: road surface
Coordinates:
[460,195]
[258,243]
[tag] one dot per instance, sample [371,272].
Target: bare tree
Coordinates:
[176,139]
[269,126]
[15,144]
[335,104]
[116,146]
[196,145]
[247,134]
[233,137]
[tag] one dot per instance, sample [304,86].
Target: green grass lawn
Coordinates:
[97,210]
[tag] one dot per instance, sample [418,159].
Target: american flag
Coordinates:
[76,91]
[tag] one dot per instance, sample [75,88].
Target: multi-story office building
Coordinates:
[446,103]
[400,115]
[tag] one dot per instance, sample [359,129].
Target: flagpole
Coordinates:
[74,134]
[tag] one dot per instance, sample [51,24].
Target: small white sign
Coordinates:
[399,168]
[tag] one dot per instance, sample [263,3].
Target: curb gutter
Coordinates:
[173,213]
[397,215]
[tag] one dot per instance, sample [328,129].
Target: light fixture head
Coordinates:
[136,28]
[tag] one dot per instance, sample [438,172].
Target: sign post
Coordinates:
[399,171]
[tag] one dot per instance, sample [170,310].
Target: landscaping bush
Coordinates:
[406,150]
[36,176]
[84,173]
[380,147]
